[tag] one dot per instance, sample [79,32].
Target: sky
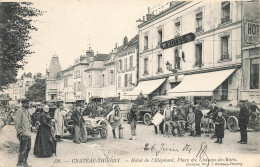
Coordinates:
[69,27]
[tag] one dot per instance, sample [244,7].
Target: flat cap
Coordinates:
[24,101]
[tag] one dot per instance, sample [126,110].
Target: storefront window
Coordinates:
[254,73]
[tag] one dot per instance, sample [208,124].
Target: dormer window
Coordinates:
[199,22]
[177,28]
[159,37]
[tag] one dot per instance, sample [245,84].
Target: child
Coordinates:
[191,121]
[219,123]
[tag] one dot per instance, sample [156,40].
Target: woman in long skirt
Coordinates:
[45,143]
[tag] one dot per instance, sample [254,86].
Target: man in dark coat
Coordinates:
[133,120]
[198,116]
[77,121]
[243,119]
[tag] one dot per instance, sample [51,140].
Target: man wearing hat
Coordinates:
[77,121]
[59,121]
[22,125]
[198,116]
[243,119]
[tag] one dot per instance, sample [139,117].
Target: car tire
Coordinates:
[147,119]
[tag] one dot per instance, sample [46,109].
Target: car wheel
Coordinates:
[232,123]
[147,119]
[83,135]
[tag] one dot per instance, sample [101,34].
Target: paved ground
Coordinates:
[160,151]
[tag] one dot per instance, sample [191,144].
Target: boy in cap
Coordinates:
[220,123]
[198,116]
[22,125]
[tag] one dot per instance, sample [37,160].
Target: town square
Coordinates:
[129,83]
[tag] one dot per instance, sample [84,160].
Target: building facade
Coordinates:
[127,66]
[251,51]
[191,38]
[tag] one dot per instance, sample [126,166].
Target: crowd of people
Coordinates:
[175,120]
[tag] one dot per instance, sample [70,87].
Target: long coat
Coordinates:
[213,112]
[59,122]
[220,126]
[77,118]
[198,115]
[45,144]
[243,117]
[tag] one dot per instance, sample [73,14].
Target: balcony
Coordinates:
[225,19]
[198,29]
[146,72]
[146,48]
[224,57]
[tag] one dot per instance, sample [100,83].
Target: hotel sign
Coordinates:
[178,41]
[251,32]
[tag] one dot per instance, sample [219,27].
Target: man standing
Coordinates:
[243,119]
[133,120]
[213,113]
[198,116]
[167,113]
[59,121]
[77,121]
[22,126]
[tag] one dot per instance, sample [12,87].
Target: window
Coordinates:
[224,48]
[225,12]
[254,73]
[159,37]
[120,64]
[103,80]
[224,90]
[146,42]
[65,82]
[159,63]
[199,22]
[198,55]
[89,80]
[79,86]
[125,63]
[177,62]
[126,80]
[131,61]
[130,79]
[177,28]
[111,76]
[75,87]
[119,81]
[146,66]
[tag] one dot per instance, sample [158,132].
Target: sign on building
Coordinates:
[178,41]
[251,32]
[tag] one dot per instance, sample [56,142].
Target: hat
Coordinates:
[214,102]
[242,101]
[24,101]
[79,103]
[60,101]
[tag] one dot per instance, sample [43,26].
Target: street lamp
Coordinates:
[169,67]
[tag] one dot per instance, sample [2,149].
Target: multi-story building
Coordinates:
[18,90]
[127,66]
[68,84]
[192,49]
[53,91]
[251,51]
[95,76]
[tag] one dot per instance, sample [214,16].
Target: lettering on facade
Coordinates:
[178,41]
[251,33]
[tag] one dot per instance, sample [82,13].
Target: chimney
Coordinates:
[125,40]
[115,45]
[143,18]
[89,54]
[149,16]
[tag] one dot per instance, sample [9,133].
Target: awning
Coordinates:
[202,84]
[146,87]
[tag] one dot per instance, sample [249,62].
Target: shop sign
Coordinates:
[251,32]
[178,41]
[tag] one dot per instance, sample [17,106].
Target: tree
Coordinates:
[15,27]
[36,92]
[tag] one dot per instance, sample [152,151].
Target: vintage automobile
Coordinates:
[92,126]
[145,111]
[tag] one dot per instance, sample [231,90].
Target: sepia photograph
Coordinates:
[129,83]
